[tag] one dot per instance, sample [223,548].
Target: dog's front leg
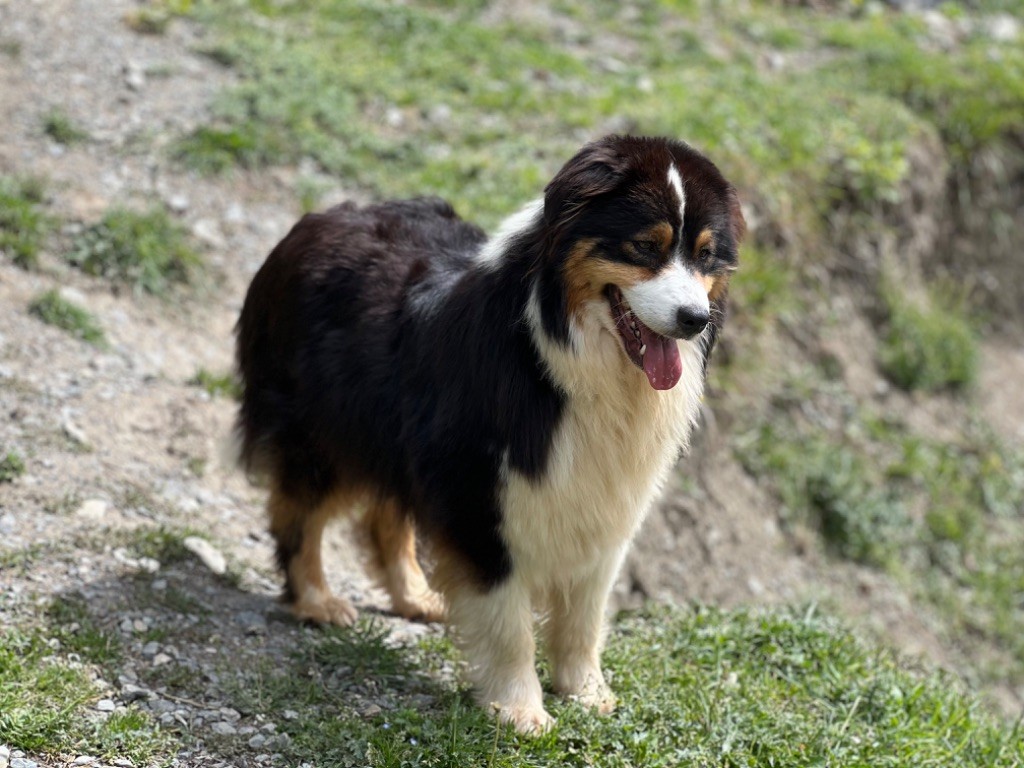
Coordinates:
[575,634]
[495,632]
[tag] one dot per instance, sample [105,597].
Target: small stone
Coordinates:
[150,649]
[223,729]
[257,741]
[159,585]
[371,711]
[290,714]
[149,564]
[160,659]
[131,692]
[105,705]
[178,203]
[75,432]
[231,715]
[23,762]
[207,553]
[134,77]
[84,760]
[139,625]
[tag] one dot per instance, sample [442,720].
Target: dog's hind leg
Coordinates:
[392,539]
[298,531]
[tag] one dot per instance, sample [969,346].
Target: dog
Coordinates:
[519,399]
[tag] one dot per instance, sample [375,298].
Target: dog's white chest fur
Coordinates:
[615,445]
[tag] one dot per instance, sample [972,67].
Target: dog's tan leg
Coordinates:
[494,629]
[393,542]
[298,531]
[575,633]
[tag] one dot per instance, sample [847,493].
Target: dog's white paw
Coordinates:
[597,696]
[527,720]
[586,685]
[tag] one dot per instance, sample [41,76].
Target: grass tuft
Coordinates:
[217,385]
[929,345]
[11,467]
[23,225]
[57,311]
[59,127]
[149,250]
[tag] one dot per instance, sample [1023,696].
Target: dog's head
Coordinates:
[644,233]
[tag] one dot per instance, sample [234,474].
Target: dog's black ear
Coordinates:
[736,221]
[595,170]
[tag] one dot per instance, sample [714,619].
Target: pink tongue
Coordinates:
[661,360]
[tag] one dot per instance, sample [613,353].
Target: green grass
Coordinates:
[148,251]
[44,697]
[217,385]
[62,129]
[54,310]
[696,687]
[23,223]
[484,114]
[72,625]
[11,467]
[930,344]
[942,517]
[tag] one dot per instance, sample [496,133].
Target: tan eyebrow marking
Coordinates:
[706,239]
[660,234]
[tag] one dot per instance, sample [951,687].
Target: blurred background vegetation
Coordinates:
[876,320]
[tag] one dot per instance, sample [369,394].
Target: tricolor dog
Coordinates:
[519,399]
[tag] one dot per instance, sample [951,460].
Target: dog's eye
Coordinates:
[705,254]
[648,247]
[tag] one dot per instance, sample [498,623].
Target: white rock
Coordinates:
[84,760]
[75,432]
[23,762]
[210,556]
[73,295]
[92,509]
[105,705]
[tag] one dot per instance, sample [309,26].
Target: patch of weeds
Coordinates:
[215,150]
[825,482]
[165,545]
[11,48]
[43,703]
[149,251]
[155,18]
[23,224]
[71,623]
[930,343]
[788,687]
[226,385]
[763,286]
[196,465]
[62,129]
[12,466]
[21,559]
[65,505]
[57,311]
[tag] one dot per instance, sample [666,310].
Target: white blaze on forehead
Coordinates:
[657,301]
[676,182]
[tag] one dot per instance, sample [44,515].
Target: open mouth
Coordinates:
[656,355]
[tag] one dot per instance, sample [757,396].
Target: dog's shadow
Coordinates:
[226,670]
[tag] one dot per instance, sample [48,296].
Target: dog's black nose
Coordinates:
[691,321]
